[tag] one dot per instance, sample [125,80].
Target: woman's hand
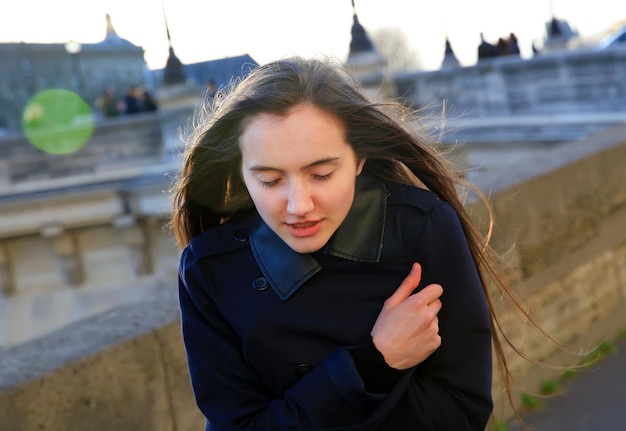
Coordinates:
[407,329]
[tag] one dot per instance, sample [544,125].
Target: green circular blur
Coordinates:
[57,121]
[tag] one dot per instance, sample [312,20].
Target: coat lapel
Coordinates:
[284,269]
[359,238]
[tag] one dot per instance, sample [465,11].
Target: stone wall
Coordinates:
[74,272]
[560,215]
[558,82]
[81,233]
[124,141]
[560,220]
[124,369]
[540,90]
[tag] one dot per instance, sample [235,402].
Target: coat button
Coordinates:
[302,369]
[241,235]
[260,283]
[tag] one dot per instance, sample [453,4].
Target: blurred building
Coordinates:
[367,64]
[612,38]
[558,34]
[219,72]
[87,69]
[114,64]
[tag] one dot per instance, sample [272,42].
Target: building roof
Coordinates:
[112,41]
[221,71]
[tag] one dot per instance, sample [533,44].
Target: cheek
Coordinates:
[338,198]
[265,200]
[254,188]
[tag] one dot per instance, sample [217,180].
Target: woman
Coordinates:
[330,277]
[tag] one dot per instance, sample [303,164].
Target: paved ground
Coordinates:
[593,401]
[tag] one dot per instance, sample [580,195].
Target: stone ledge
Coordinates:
[24,362]
[543,161]
[98,373]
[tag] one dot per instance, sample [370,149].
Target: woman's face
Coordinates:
[300,173]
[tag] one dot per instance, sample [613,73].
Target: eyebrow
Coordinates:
[327,160]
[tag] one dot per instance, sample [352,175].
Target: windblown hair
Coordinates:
[210,189]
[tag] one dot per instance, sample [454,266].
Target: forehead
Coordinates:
[304,129]
[311,113]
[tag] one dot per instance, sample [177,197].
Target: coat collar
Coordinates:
[359,238]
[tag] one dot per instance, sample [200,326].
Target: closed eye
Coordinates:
[323,177]
[268,184]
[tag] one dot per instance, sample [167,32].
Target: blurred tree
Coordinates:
[394,45]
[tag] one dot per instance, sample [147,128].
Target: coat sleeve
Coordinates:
[451,390]
[230,393]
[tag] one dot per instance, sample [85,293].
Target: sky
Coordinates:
[270,29]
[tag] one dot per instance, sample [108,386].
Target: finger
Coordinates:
[407,286]
[435,305]
[428,294]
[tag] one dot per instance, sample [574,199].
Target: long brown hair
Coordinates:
[209,188]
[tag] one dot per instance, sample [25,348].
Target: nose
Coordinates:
[299,200]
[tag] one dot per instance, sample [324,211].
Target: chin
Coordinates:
[304,247]
[305,250]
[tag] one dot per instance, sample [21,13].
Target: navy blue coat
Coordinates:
[273,336]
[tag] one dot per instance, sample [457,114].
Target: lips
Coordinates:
[303,225]
[305,228]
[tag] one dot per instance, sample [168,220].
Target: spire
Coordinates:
[368,66]
[111,37]
[360,40]
[110,31]
[449,59]
[173,72]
